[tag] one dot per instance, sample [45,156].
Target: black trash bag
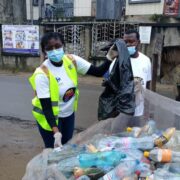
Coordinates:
[118,95]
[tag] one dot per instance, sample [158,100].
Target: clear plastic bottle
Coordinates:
[143,169]
[148,129]
[67,151]
[93,173]
[124,169]
[135,131]
[84,177]
[112,142]
[163,155]
[66,166]
[101,159]
[165,137]
[162,174]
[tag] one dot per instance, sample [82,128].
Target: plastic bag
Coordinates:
[118,95]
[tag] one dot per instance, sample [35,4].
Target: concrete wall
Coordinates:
[144,9]
[19,63]
[12,11]
[82,8]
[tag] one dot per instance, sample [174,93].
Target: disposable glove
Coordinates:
[57,139]
[112,54]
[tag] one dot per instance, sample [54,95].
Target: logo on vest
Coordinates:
[69,94]
[58,79]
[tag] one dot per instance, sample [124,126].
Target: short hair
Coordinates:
[48,36]
[131,31]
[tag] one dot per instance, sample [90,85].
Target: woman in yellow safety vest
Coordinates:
[55,84]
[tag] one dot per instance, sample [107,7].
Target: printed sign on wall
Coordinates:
[20,39]
[171,7]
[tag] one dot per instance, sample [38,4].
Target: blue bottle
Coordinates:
[101,159]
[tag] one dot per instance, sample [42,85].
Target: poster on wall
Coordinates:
[145,34]
[143,1]
[20,39]
[171,7]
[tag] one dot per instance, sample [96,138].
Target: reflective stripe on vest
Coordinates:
[54,92]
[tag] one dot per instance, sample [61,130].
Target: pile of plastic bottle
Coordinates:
[137,153]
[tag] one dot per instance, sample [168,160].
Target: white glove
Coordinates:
[112,54]
[57,139]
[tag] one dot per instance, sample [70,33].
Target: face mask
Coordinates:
[132,50]
[56,55]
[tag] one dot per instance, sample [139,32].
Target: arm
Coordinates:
[84,67]
[48,112]
[43,93]
[100,70]
[149,75]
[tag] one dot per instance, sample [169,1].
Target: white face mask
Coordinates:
[131,50]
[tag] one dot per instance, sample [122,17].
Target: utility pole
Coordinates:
[40,8]
[31,10]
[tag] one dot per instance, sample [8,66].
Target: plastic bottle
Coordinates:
[101,159]
[174,168]
[143,170]
[162,174]
[124,169]
[84,178]
[118,143]
[93,173]
[68,150]
[92,148]
[165,137]
[163,155]
[135,131]
[66,166]
[148,129]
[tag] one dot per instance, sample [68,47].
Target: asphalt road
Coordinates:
[16,95]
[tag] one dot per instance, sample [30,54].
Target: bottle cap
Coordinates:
[146,154]
[138,173]
[129,129]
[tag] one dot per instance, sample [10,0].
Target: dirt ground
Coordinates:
[19,143]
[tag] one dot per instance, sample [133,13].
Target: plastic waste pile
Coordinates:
[137,153]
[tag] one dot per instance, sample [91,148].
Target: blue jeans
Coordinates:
[65,126]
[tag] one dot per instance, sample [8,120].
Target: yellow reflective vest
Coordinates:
[54,91]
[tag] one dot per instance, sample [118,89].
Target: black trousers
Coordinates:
[65,126]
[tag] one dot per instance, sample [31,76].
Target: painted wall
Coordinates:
[82,8]
[144,9]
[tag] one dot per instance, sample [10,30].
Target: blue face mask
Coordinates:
[56,55]
[131,50]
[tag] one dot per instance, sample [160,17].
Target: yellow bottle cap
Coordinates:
[146,154]
[129,129]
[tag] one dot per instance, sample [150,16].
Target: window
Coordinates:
[35,2]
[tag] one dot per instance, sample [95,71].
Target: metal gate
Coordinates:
[103,32]
[74,36]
